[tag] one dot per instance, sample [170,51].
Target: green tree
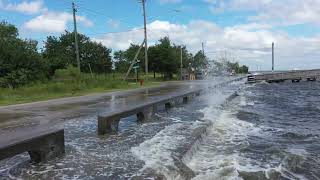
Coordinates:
[123,59]
[19,59]
[237,68]
[200,61]
[187,57]
[60,53]
[244,69]
[163,58]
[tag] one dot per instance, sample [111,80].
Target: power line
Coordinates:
[95,12]
[115,32]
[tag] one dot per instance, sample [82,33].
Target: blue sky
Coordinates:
[242,30]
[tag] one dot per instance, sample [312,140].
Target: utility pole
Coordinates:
[203,49]
[76,35]
[272,56]
[134,61]
[145,38]
[181,63]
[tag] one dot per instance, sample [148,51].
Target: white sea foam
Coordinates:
[245,102]
[298,151]
[217,156]
[157,152]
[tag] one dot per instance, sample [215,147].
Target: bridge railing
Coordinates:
[290,75]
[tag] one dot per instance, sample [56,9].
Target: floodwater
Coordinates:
[266,131]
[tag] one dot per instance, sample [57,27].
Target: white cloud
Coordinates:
[248,43]
[27,7]
[113,23]
[53,22]
[284,12]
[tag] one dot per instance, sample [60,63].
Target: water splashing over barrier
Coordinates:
[168,153]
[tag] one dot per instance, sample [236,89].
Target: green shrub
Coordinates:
[71,73]
[20,61]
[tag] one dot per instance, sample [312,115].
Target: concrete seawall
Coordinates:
[42,144]
[108,122]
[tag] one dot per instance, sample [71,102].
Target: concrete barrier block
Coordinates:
[146,114]
[185,99]
[41,143]
[168,105]
[48,147]
[107,125]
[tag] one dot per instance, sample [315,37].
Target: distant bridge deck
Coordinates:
[295,76]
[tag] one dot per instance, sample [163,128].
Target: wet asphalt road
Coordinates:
[55,112]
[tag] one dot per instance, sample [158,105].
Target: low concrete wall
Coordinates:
[41,144]
[108,123]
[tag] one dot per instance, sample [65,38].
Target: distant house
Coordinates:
[191,74]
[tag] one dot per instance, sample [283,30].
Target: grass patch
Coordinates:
[67,84]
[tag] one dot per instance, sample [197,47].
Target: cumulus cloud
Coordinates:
[249,43]
[53,22]
[284,12]
[27,7]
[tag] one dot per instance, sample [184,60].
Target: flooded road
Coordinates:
[93,156]
[57,111]
[262,132]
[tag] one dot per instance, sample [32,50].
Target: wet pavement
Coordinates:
[58,111]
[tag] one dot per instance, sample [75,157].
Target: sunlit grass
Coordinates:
[68,87]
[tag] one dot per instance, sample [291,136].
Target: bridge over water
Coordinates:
[280,76]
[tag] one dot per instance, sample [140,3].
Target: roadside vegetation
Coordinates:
[29,74]
[68,83]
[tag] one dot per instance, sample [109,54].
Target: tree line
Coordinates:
[21,62]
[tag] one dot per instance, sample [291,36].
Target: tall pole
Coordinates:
[145,39]
[134,61]
[181,63]
[203,49]
[76,35]
[272,56]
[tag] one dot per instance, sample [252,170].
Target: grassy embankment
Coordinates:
[66,85]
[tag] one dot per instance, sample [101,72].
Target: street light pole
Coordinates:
[272,56]
[181,63]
